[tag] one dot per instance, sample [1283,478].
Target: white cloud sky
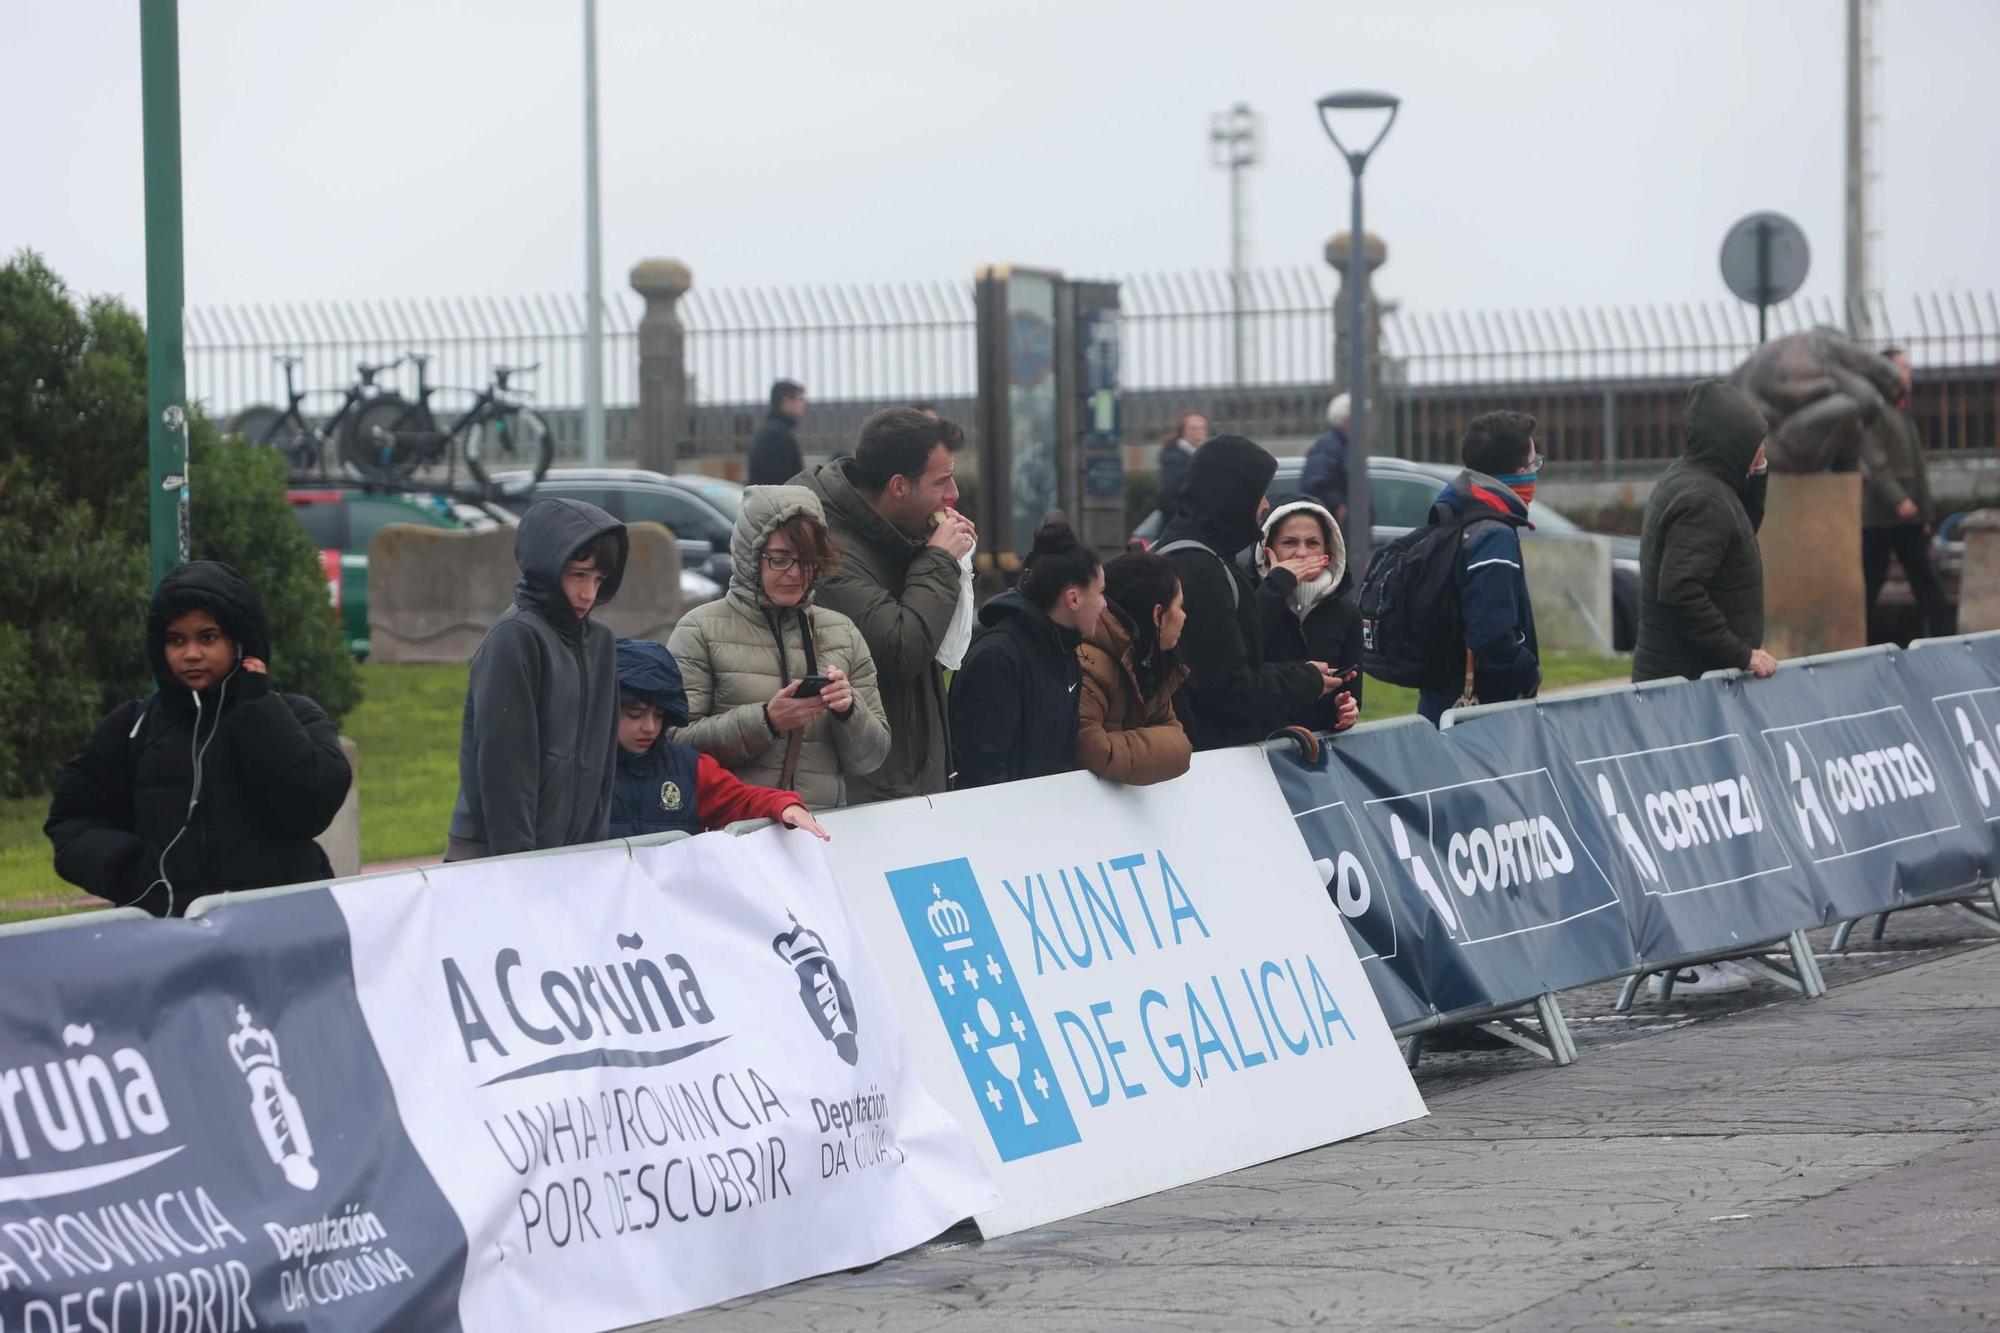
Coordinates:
[1562,152]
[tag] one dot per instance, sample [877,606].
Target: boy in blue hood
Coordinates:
[663,784]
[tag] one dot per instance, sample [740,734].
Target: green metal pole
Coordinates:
[166,368]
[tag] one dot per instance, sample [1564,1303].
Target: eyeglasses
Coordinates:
[781,561]
[1536,462]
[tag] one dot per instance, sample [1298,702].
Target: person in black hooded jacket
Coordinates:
[1234,696]
[213,782]
[541,704]
[1701,574]
[1013,700]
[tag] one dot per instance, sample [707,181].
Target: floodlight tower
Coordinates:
[1235,143]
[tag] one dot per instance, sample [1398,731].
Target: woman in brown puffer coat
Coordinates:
[1126,728]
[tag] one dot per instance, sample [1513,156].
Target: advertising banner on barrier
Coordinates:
[195,1133]
[1482,861]
[1682,818]
[1121,989]
[647,1081]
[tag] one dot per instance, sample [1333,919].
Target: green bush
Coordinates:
[239,515]
[72,626]
[73,530]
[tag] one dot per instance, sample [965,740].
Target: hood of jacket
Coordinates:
[1218,505]
[1336,545]
[765,509]
[211,586]
[1470,493]
[1724,429]
[1010,607]
[550,532]
[648,672]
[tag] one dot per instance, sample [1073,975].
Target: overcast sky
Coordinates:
[1556,152]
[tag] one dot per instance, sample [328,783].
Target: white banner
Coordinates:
[1126,988]
[650,1081]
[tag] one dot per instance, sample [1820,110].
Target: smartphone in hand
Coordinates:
[810,686]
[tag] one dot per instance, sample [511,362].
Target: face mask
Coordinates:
[1521,483]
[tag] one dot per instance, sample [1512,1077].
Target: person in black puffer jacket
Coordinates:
[1234,696]
[1307,614]
[213,782]
[1013,702]
[1701,574]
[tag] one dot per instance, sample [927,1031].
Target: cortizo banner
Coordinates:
[576,1091]
[1531,848]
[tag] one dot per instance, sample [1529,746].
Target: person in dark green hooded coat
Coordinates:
[1701,576]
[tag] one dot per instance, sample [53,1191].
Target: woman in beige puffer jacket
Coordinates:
[743,657]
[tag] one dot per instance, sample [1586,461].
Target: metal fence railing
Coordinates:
[1607,382]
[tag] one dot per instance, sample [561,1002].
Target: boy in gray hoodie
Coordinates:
[540,729]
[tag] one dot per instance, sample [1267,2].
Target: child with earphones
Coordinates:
[213,782]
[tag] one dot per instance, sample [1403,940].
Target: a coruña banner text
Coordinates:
[649,1080]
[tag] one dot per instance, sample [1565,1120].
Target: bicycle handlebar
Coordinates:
[501,374]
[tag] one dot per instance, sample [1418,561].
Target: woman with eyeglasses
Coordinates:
[781,692]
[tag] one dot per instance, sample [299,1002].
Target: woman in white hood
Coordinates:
[1304,603]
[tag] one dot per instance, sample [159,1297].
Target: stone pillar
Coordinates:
[342,840]
[1811,542]
[1979,586]
[662,361]
[1374,256]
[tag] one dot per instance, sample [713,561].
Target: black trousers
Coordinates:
[1913,552]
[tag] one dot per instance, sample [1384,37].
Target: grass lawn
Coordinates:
[407,731]
[28,883]
[1558,669]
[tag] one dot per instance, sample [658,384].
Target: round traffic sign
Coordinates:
[1765,258]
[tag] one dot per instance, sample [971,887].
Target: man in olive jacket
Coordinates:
[899,579]
[1896,508]
[1701,577]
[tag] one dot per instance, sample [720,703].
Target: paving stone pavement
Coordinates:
[1753,1161]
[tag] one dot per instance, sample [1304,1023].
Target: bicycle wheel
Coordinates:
[513,437]
[254,424]
[264,424]
[388,439]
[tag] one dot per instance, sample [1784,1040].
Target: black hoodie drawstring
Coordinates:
[775,619]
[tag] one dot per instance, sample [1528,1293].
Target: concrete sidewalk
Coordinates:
[1812,1165]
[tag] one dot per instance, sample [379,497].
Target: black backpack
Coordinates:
[1411,634]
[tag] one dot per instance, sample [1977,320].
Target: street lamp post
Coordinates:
[593,277]
[1359,509]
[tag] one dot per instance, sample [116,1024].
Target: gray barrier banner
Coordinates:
[196,1133]
[1531,847]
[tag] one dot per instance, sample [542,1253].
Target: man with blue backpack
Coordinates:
[1445,608]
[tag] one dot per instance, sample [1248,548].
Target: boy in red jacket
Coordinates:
[662,784]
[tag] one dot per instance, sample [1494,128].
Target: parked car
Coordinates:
[342,523]
[701,511]
[1403,492]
